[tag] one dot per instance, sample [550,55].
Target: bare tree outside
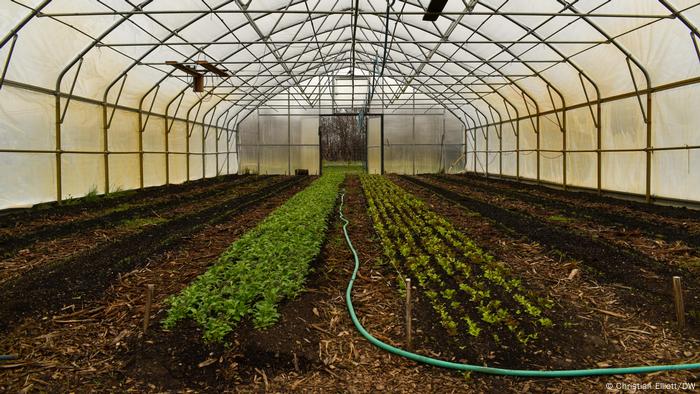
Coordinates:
[343,139]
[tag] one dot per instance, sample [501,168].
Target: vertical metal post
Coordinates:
[166,142]
[59,190]
[475,150]
[105,148]
[289,134]
[563,143]
[257,142]
[204,156]
[413,135]
[465,149]
[517,150]
[140,144]
[599,155]
[141,156]
[187,148]
[216,149]
[538,148]
[500,149]
[486,160]
[381,145]
[648,149]
[228,150]
[320,148]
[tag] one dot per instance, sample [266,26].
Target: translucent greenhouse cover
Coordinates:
[599,94]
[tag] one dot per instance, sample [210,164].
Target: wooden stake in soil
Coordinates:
[678,299]
[147,311]
[409,338]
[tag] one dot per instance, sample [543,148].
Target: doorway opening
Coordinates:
[343,138]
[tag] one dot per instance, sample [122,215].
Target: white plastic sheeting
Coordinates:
[490,69]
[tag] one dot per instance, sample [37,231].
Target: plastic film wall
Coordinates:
[613,160]
[279,143]
[188,151]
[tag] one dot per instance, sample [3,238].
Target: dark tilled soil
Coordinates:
[79,349]
[60,211]
[681,213]
[179,359]
[81,278]
[27,232]
[611,217]
[612,264]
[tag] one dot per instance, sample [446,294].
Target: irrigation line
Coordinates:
[478,368]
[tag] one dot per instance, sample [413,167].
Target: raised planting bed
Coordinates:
[679,234]
[24,233]
[476,298]
[607,262]
[98,345]
[81,276]
[57,212]
[265,266]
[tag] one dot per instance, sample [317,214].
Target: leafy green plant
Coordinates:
[265,266]
[465,285]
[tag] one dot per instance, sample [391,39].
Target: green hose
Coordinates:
[478,368]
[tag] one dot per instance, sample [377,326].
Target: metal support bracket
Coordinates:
[645,115]
[72,88]
[7,61]
[150,109]
[589,104]
[177,108]
[116,101]
[554,107]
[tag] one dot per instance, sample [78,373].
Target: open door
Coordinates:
[375,148]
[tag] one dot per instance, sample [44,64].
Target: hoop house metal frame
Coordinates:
[591,94]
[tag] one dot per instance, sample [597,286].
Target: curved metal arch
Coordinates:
[276,90]
[503,49]
[229,32]
[261,99]
[407,55]
[615,42]
[173,33]
[369,29]
[302,22]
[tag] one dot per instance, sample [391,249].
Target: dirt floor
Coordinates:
[97,344]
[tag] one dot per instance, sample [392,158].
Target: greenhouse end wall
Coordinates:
[413,143]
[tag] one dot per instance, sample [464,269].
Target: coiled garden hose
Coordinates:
[477,368]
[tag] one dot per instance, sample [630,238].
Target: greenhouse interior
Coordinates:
[349,196]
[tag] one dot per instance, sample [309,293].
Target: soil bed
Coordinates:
[97,346]
[609,215]
[80,346]
[56,212]
[25,233]
[77,279]
[596,325]
[59,247]
[610,263]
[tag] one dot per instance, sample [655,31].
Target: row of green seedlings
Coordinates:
[450,267]
[265,266]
